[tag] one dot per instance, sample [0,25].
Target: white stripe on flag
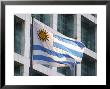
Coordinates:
[78,59]
[73,47]
[39,52]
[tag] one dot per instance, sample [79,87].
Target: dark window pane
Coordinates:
[44,18]
[18,35]
[64,70]
[88,34]
[88,66]
[18,69]
[65,24]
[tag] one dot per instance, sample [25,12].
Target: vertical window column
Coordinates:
[27,44]
[77,27]
[53,21]
[77,35]
[53,24]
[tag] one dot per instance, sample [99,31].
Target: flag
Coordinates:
[50,46]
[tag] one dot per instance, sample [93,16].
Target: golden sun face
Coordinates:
[43,35]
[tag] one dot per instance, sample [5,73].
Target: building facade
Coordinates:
[82,27]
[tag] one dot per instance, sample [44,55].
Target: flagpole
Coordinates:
[75,69]
[31,51]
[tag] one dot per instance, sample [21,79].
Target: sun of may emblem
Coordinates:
[43,35]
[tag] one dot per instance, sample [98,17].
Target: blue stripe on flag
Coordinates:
[64,62]
[76,43]
[73,52]
[41,57]
[48,59]
[38,47]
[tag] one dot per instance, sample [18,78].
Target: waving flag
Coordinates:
[52,46]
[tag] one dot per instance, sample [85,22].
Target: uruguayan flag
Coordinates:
[52,47]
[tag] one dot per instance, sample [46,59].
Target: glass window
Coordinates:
[18,35]
[18,69]
[65,24]
[88,66]
[64,70]
[44,18]
[37,73]
[88,34]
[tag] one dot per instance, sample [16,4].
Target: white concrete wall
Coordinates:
[25,58]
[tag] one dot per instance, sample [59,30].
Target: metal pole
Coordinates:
[31,50]
[75,69]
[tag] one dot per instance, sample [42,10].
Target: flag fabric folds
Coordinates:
[53,47]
